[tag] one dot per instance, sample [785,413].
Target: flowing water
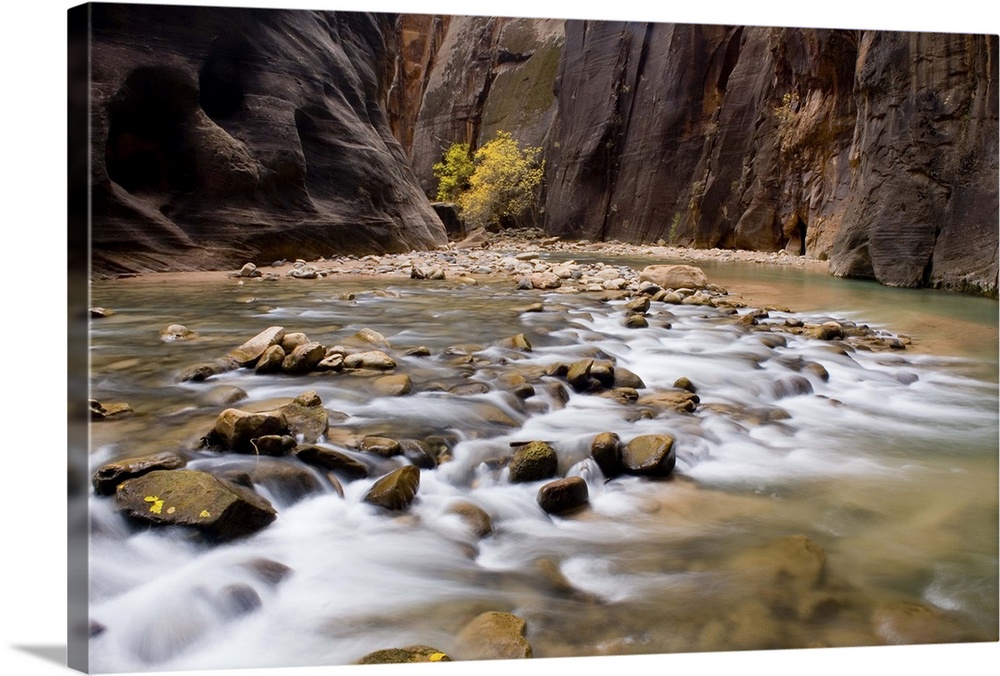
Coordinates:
[889,469]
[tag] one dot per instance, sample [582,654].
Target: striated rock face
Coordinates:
[874,149]
[225,134]
[491,74]
[924,207]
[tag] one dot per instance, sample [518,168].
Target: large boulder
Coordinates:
[674,276]
[220,509]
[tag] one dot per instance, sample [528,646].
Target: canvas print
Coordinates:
[435,338]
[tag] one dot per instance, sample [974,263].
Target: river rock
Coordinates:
[220,509]
[250,351]
[329,459]
[290,341]
[684,383]
[103,411]
[680,401]
[235,429]
[221,395]
[474,240]
[533,462]
[649,455]
[626,378]
[418,453]
[303,358]
[382,446]
[268,570]
[331,362]
[578,375]
[201,372]
[99,312]
[274,444]
[826,331]
[638,305]
[396,490]
[606,451]
[518,342]
[478,519]
[249,270]
[393,386]
[271,360]
[635,321]
[408,655]
[493,636]
[177,332]
[674,276]
[306,416]
[545,280]
[373,338]
[107,477]
[563,495]
[374,359]
[288,482]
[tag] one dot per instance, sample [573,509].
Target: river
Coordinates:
[850,511]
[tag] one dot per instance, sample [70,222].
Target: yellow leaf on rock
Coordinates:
[204,514]
[437,657]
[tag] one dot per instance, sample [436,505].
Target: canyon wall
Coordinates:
[222,135]
[876,150]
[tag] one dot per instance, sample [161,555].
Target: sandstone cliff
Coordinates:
[876,150]
[221,135]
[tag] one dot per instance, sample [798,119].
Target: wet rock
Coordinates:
[270,571]
[578,375]
[638,305]
[220,509]
[816,369]
[396,490]
[176,332]
[202,372]
[674,276]
[534,307]
[329,459]
[107,477]
[606,451]
[288,482]
[274,444]
[826,331]
[419,453]
[478,519]
[221,395]
[790,386]
[382,446]
[331,362]
[374,359]
[563,495]
[306,416]
[100,312]
[649,455]
[393,386]
[518,342]
[373,338]
[684,383]
[680,401]
[249,270]
[603,371]
[421,351]
[236,600]
[469,389]
[103,411]
[271,360]
[304,358]
[635,321]
[901,623]
[250,351]
[235,429]
[533,462]
[409,655]
[290,341]
[493,636]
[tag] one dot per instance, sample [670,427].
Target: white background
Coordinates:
[33,283]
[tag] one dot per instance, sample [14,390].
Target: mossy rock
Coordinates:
[533,462]
[182,497]
[493,636]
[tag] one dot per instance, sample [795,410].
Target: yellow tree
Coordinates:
[504,184]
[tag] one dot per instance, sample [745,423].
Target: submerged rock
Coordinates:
[327,458]
[220,509]
[393,386]
[478,519]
